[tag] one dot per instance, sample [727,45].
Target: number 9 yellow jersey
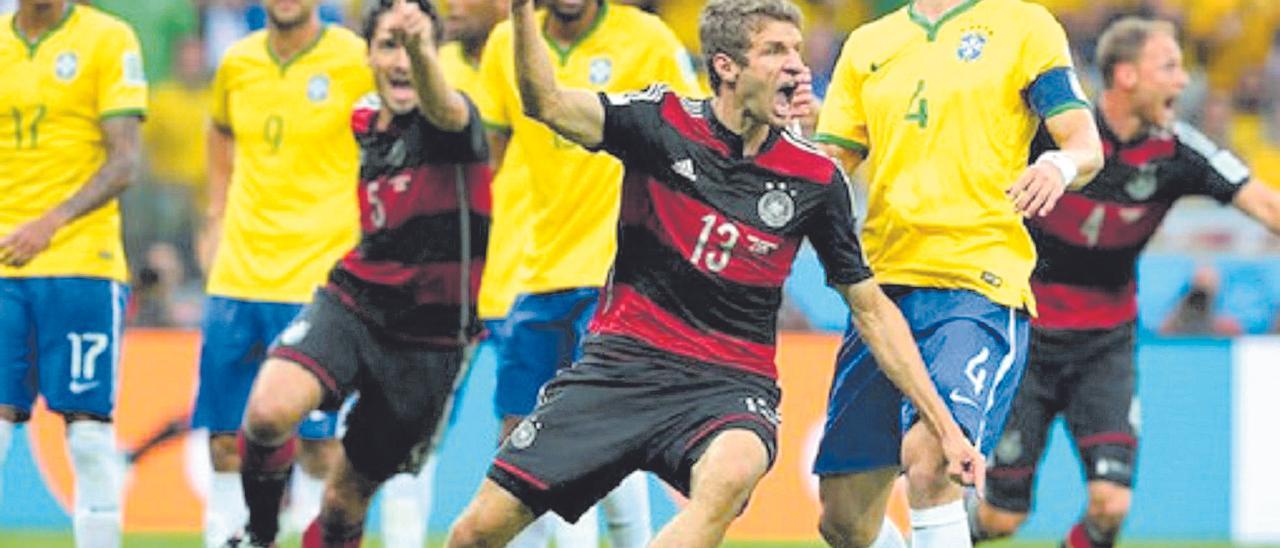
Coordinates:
[54,92]
[291,209]
[945,112]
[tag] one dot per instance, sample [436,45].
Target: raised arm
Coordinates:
[439,103]
[1261,202]
[574,113]
[880,323]
[124,158]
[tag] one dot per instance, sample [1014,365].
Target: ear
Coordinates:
[1126,75]
[726,67]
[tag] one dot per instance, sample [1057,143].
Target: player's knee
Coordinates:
[317,457]
[268,421]
[1108,504]
[224,453]
[847,529]
[12,414]
[470,532]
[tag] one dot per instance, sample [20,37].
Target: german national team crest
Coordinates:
[66,65]
[318,88]
[776,208]
[295,332]
[522,437]
[600,71]
[972,42]
[1142,185]
[1010,447]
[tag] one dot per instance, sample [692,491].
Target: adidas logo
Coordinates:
[684,168]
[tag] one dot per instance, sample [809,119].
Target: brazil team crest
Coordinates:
[600,71]
[318,88]
[776,208]
[972,43]
[66,65]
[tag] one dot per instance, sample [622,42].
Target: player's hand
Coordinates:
[1037,191]
[965,464]
[23,244]
[804,104]
[410,25]
[207,243]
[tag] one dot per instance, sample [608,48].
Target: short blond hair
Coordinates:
[1123,41]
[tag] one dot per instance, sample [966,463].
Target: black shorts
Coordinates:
[1088,377]
[616,412]
[405,387]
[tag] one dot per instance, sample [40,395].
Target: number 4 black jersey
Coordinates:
[1088,247]
[707,236]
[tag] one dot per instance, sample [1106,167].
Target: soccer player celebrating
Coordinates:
[677,375]
[1082,344]
[943,98]
[571,196]
[398,310]
[280,213]
[72,94]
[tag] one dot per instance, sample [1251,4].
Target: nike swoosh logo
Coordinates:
[961,399]
[79,388]
[875,67]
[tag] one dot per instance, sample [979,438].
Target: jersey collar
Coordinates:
[33,46]
[563,53]
[324,28]
[931,28]
[733,140]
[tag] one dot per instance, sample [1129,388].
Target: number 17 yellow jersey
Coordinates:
[941,111]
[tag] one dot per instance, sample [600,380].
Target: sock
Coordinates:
[305,493]
[971,503]
[318,535]
[944,526]
[224,511]
[406,505]
[537,534]
[264,471]
[6,439]
[98,468]
[890,536]
[626,512]
[1085,535]
[586,532]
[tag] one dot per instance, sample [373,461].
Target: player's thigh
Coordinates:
[277,319]
[17,348]
[1012,470]
[542,336]
[863,429]
[1103,413]
[233,345]
[856,501]
[729,469]
[79,326]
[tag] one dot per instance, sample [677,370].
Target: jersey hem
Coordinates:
[1024,300]
[117,113]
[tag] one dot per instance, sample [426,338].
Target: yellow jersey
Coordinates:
[939,111]
[54,93]
[573,194]
[291,209]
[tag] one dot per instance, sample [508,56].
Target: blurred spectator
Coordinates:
[224,23]
[161,25]
[1194,314]
[163,295]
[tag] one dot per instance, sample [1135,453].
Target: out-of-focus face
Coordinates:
[768,81]
[288,14]
[568,11]
[1160,80]
[390,64]
[43,7]
[471,20]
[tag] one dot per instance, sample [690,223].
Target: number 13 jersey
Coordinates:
[707,236]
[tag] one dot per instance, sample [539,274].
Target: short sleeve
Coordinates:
[465,146]
[1209,170]
[632,122]
[1049,80]
[833,235]
[491,97]
[842,121]
[219,109]
[122,82]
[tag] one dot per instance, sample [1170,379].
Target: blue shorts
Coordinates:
[975,350]
[542,334]
[237,334]
[61,337]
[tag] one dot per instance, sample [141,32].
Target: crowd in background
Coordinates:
[1233,53]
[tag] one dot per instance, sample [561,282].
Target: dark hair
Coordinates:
[726,27]
[384,6]
[1123,40]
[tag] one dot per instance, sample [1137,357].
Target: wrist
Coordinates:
[1063,162]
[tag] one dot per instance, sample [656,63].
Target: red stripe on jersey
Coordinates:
[428,189]
[791,160]
[1084,222]
[1064,306]
[628,313]
[698,231]
[1107,438]
[1153,148]
[693,128]
[362,119]
[431,282]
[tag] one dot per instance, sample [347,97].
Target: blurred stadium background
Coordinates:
[1209,301]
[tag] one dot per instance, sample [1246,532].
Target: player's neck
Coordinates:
[934,9]
[565,33]
[32,21]
[285,44]
[731,114]
[1120,116]
[472,48]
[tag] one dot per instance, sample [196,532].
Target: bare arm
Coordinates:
[1076,133]
[574,113]
[497,148]
[442,105]
[880,323]
[1260,202]
[124,159]
[848,159]
[1079,157]
[221,155]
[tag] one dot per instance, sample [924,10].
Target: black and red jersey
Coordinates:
[1088,246]
[424,220]
[707,236]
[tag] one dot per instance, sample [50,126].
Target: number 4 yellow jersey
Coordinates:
[54,93]
[291,208]
[945,113]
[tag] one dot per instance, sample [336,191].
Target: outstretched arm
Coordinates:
[574,113]
[1075,163]
[439,103]
[124,159]
[880,323]
[1261,202]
